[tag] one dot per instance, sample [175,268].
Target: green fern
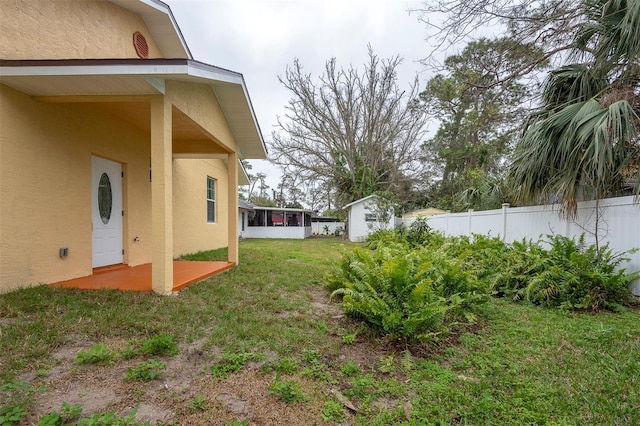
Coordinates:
[406,293]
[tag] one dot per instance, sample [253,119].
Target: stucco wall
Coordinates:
[198,102]
[69,29]
[45,188]
[191,232]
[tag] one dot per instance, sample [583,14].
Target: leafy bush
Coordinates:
[382,237]
[418,234]
[580,276]
[570,274]
[480,254]
[408,294]
[518,264]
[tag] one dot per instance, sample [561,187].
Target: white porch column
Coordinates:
[161,196]
[232,205]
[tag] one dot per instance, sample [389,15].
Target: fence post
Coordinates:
[505,206]
[470,211]
[446,223]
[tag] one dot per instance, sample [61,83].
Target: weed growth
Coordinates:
[15,398]
[333,412]
[236,422]
[288,391]
[161,344]
[97,354]
[315,368]
[350,368]
[65,416]
[349,339]
[233,362]
[111,419]
[199,403]
[149,370]
[286,365]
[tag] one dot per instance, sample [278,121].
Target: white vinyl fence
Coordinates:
[318,228]
[618,225]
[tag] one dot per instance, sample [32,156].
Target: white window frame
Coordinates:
[211,198]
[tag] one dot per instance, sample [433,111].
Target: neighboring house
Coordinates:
[367,215]
[244,208]
[410,217]
[116,146]
[274,222]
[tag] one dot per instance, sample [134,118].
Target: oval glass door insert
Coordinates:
[105,198]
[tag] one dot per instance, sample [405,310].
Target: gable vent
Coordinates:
[140,43]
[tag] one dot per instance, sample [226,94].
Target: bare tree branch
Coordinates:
[357,132]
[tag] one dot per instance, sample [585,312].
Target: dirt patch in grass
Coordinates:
[187,393]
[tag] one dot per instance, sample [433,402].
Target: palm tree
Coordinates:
[583,142]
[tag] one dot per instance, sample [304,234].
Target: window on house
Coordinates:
[211,200]
[275,218]
[370,217]
[256,218]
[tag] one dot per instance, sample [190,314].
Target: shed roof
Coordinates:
[361,200]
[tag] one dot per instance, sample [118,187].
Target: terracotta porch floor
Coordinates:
[138,278]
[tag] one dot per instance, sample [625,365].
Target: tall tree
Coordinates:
[478,118]
[583,142]
[356,131]
[550,26]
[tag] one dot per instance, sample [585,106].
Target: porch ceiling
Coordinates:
[123,87]
[188,136]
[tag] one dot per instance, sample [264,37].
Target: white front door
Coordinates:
[106,211]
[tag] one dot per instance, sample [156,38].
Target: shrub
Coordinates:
[581,276]
[570,274]
[521,261]
[418,234]
[481,255]
[408,294]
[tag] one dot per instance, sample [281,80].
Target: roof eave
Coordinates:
[149,76]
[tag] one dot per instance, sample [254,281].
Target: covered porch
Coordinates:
[186,110]
[138,278]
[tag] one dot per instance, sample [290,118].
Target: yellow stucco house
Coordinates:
[116,146]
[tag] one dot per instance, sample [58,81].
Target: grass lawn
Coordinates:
[260,344]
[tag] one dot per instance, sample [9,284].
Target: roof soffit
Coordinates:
[75,80]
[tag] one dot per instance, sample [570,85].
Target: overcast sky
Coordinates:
[259,38]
